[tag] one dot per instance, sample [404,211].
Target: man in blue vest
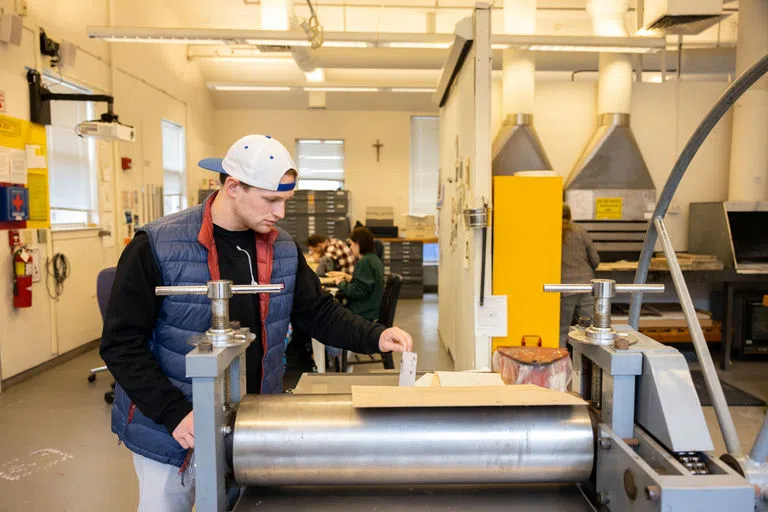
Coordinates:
[232,236]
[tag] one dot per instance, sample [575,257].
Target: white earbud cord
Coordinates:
[250,265]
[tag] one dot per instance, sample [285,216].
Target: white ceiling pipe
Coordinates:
[748,179]
[614,90]
[519,68]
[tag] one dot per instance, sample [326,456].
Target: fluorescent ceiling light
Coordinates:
[600,49]
[547,43]
[318,75]
[413,89]
[164,40]
[346,44]
[262,60]
[279,42]
[310,141]
[499,46]
[413,44]
[342,89]
[264,88]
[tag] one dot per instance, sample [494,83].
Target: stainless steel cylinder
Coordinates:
[323,439]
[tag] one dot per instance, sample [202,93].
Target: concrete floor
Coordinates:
[57,452]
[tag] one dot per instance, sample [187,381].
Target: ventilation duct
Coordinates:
[682,17]
[610,190]
[517,146]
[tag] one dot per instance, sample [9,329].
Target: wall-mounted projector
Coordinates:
[106,130]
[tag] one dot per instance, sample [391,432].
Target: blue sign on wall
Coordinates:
[14,204]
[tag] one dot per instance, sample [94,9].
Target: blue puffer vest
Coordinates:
[186,254]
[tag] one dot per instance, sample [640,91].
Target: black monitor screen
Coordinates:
[749,232]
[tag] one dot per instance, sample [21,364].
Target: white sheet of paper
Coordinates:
[408,369]
[35,158]
[5,166]
[18,166]
[491,318]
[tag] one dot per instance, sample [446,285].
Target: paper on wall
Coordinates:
[35,157]
[18,159]
[5,165]
[491,318]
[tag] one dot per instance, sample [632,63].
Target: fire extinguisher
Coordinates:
[22,278]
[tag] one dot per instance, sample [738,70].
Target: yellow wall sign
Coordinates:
[30,137]
[608,208]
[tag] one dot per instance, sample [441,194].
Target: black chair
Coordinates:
[387,318]
[104,282]
[378,246]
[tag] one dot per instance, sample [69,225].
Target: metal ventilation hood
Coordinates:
[611,159]
[517,147]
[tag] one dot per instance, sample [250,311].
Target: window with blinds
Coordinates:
[73,189]
[321,164]
[425,164]
[174,166]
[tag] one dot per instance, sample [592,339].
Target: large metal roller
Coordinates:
[323,439]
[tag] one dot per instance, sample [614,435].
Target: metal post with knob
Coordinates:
[601,332]
[217,368]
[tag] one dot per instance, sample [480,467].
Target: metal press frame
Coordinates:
[752,466]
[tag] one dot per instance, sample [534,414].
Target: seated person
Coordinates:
[332,255]
[364,288]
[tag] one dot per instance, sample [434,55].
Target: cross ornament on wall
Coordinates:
[378,147]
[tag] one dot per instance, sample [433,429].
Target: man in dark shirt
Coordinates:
[238,226]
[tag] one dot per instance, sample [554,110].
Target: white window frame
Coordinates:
[417,189]
[310,179]
[65,218]
[181,197]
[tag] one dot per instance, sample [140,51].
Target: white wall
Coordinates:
[150,83]
[371,183]
[465,140]
[663,117]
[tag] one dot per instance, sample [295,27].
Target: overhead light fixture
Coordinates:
[318,75]
[289,38]
[592,49]
[262,60]
[342,89]
[279,42]
[163,40]
[261,88]
[413,89]
[416,44]
[580,43]
[346,44]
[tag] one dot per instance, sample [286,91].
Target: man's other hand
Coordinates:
[395,339]
[184,432]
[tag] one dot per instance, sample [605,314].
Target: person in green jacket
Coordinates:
[364,289]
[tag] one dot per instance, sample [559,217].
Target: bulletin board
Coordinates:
[31,138]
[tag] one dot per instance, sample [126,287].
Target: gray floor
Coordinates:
[57,453]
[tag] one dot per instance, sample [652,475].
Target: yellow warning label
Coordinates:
[608,208]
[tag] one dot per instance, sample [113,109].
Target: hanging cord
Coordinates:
[57,268]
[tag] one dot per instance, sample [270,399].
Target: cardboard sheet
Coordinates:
[470,396]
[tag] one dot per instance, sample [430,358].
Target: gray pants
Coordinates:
[579,304]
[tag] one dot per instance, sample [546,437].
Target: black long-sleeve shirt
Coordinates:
[133,309]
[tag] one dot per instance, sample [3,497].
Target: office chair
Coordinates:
[104,282]
[386,318]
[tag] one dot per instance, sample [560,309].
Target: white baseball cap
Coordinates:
[256,160]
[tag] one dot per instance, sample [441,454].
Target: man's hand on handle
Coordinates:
[184,432]
[395,339]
